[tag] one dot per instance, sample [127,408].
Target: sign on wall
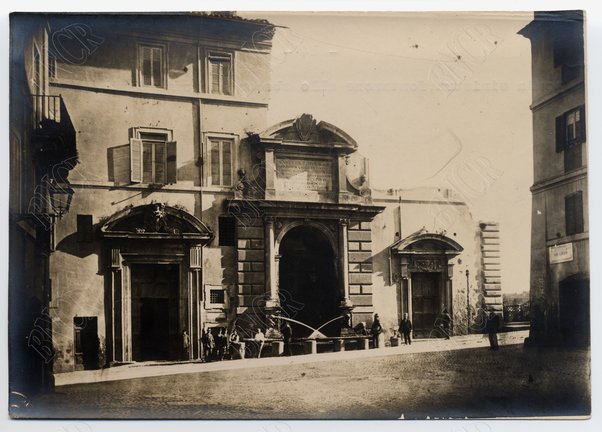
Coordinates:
[561,253]
[297,173]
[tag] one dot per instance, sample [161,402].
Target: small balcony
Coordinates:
[53,138]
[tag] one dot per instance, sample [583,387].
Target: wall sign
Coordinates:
[561,253]
[303,174]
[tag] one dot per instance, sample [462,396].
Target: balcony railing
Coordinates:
[46,108]
[53,132]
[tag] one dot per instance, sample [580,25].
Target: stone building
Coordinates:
[560,235]
[185,211]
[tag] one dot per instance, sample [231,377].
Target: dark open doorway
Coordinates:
[574,311]
[155,312]
[426,299]
[86,342]
[308,281]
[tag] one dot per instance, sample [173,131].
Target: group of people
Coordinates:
[222,345]
[442,324]
[405,329]
[217,347]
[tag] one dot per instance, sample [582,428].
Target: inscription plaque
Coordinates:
[303,174]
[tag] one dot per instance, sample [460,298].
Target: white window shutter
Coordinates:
[135,160]
[172,169]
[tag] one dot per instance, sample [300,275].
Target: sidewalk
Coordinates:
[143,370]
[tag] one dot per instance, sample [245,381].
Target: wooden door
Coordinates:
[426,293]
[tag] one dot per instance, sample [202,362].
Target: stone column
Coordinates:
[345,304]
[410,311]
[116,318]
[272,303]
[126,314]
[194,302]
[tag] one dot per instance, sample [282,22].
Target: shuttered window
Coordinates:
[220,153]
[147,160]
[573,211]
[151,65]
[219,78]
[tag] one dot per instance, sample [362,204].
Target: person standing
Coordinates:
[405,326]
[220,345]
[376,330]
[210,345]
[260,341]
[185,345]
[492,326]
[205,344]
[234,345]
[287,335]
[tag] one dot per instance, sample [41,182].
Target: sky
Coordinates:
[433,99]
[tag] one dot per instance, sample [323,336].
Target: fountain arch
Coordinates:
[308,279]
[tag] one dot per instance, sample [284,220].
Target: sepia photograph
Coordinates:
[246,215]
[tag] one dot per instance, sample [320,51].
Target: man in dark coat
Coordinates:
[376,330]
[287,335]
[492,325]
[405,327]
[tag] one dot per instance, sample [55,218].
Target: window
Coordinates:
[154,158]
[570,134]
[219,73]
[573,212]
[151,65]
[227,231]
[568,51]
[217,296]
[37,71]
[220,154]
[150,158]
[85,228]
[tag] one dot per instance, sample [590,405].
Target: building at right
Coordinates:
[559,286]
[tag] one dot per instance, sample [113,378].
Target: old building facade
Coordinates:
[560,234]
[186,211]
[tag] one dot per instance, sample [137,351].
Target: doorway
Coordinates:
[309,290]
[426,300]
[86,343]
[155,312]
[574,311]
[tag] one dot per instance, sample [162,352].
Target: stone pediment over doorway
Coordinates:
[426,243]
[156,221]
[305,131]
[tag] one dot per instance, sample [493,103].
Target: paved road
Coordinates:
[455,383]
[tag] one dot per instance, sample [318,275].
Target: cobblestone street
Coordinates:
[471,382]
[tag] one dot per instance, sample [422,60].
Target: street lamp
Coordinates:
[467,301]
[60,198]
